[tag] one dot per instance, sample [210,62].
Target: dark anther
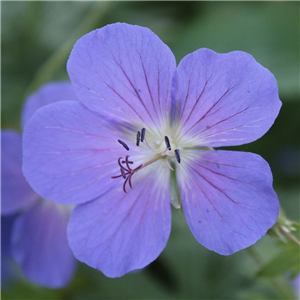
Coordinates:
[168,143]
[143,134]
[138,137]
[130,162]
[123,172]
[124,145]
[177,155]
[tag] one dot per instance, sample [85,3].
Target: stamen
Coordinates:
[130,162]
[177,155]
[123,172]
[169,166]
[146,143]
[121,166]
[138,137]
[143,134]
[126,162]
[124,145]
[167,141]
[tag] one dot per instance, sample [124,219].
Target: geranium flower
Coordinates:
[39,233]
[143,135]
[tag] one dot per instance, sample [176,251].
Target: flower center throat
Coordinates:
[127,171]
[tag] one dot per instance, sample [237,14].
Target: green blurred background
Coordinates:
[37,38]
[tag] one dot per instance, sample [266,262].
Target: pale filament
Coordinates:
[127,172]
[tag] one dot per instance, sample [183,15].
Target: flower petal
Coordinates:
[123,71]
[15,191]
[296,285]
[47,94]
[40,246]
[227,197]
[8,270]
[119,232]
[69,153]
[223,99]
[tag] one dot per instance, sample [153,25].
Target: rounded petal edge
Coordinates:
[15,191]
[69,154]
[118,233]
[47,94]
[228,198]
[223,99]
[123,71]
[40,246]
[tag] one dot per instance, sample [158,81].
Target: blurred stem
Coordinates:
[59,57]
[285,292]
[289,235]
[284,228]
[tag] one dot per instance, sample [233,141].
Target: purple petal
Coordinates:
[224,99]
[15,191]
[123,71]
[296,285]
[228,199]
[47,94]
[8,271]
[40,246]
[69,153]
[119,232]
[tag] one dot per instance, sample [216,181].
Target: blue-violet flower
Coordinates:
[38,239]
[142,137]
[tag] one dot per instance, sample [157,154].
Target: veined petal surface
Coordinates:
[69,153]
[123,71]
[227,197]
[223,99]
[47,94]
[40,246]
[15,191]
[119,232]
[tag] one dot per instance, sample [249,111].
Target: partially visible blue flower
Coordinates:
[38,236]
[8,272]
[296,285]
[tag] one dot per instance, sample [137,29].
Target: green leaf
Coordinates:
[286,261]
[253,27]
